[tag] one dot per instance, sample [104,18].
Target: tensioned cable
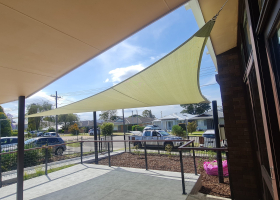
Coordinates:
[215,17]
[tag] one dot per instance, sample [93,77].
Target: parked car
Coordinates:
[155,135]
[9,143]
[42,141]
[152,127]
[51,134]
[91,131]
[39,134]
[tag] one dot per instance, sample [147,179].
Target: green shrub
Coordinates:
[51,129]
[137,128]
[61,131]
[192,126]
[178,131]
[14,133]
[183,126]
[107,128]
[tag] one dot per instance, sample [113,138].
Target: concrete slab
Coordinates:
[89,181]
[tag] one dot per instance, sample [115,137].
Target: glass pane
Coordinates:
[246,30]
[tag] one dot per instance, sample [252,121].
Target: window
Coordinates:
[42,141]
[52,140]
[205,122]
[155,133]
[275,56]
[246,46]
[14,140]
[4,141]
[148,133]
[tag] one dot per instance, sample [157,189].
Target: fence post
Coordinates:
[146,156]
[195,170]
[81,144]
[182,173]
[129,144]
[158,145]
[46,161]
[109,154]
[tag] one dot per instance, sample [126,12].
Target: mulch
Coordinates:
[210,184]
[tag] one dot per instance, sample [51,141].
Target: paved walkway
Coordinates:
[88,181]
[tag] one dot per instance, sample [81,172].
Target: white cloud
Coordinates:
[107,80]
[121,74]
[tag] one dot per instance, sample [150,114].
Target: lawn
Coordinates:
[121,134]
[197,133]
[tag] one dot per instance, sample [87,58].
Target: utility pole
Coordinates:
[137,116]
[56,97]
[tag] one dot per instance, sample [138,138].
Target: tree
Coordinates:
[108,115]
[195,109]
[6,128]
[107,128]
[34,122]
[68,119]
[148,113]
[74,129]
[192,126]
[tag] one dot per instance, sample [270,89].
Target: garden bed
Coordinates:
[210,184]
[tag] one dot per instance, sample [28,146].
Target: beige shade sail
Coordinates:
[172,80]
[42,40]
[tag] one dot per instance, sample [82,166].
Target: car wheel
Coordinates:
[59,151]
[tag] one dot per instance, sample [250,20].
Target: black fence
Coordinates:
[41,160]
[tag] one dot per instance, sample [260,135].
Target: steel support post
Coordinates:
[0,158]
[182,173]
[146,161]
[195,170]
[218,144]
[129,144]
[81,144]
[109,158]
[95,137]
[124,130]
[20,151]
[46,161]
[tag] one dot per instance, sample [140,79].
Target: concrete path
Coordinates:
[88,181]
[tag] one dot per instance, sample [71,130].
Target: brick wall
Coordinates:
[242,172]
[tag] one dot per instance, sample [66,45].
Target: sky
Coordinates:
[124,60]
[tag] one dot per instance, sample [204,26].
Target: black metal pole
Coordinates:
[109,158]
[95,137]
[0,158]
[182,173]
[158,145]
[124,130]
[195,170]
[81,152]
[46,161]
[99,140]
[20,151]
[217,138]
[129,144]
[146,162]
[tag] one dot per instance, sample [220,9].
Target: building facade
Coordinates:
[205,121]
[168,121]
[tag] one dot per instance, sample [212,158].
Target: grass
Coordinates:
[121,134]
[39,171]
[77,144]
[197,133]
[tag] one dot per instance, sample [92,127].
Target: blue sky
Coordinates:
[127,58]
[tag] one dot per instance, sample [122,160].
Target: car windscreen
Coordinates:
[163,133]
[30,141]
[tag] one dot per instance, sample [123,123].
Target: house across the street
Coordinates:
[130,121]
[168,121]
[205,121]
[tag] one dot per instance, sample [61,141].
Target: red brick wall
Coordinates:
[237,126]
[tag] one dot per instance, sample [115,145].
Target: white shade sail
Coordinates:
[172,80]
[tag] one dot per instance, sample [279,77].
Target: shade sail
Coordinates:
[172,80]
[40,41]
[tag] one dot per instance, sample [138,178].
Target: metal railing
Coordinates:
[193,149]
[47,156]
